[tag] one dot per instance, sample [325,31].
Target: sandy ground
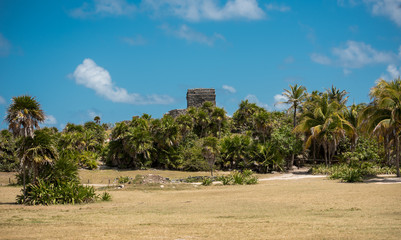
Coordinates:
[292,176]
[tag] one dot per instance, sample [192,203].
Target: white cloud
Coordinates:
[229,89]
[275,7]
[253,99]
[278,99]
[355,55]
[321,59]
[50,120]
[2,101]
[5,46]
[206,9]
[393,71]
[359,54]
[387,8]
[134,41]
[187,33]
[97,78]
[104,8]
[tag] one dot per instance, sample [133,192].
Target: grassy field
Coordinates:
[291,209]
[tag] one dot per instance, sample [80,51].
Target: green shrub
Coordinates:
[226,180]
[352,175]
[352,172]
[9,161]
[122,179]
[191,157]
[105,196]
[88,159]
[251,180]
[193,179]
[58,183]
[207,181]
[239,178]
[47,193]
[138,179]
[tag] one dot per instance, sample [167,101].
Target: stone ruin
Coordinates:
[176,112]
[195,98]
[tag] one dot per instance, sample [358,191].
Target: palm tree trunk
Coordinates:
[397,159]
[388,151]
[292,159]
[24,177]
[295,115]
[314,151]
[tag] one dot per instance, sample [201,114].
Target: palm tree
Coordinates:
[96,119]
[384,113]
[210,151]
[326,125]
[218,116]
[351,115]
[23,116]
[185,124]
[139,142]
[269,156]
[38,150]
[295,96]
[236,150]
[337,95]
[203,121]
[243,118]
[263,124]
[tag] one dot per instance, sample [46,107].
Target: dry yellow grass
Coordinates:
[7,177]
[292,209]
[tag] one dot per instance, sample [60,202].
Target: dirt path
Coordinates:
[292,176]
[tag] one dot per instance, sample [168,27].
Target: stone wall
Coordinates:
[196,97]
[176,112]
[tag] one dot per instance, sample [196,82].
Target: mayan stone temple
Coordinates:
[195,98]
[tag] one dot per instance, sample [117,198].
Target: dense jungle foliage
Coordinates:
[318,127]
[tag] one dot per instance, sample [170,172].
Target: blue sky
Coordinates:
[121,58]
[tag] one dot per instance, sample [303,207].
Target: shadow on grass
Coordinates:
[8,203]
[383,180]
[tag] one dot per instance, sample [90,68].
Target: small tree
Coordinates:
[23,116]
[210,151]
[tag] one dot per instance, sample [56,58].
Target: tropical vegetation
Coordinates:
[318,127]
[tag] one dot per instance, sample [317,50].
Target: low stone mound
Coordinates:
[152,178]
